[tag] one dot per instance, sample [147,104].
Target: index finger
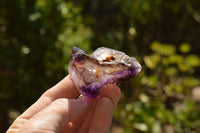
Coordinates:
[103,112]
[64,89]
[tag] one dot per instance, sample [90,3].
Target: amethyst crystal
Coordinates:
[104,66]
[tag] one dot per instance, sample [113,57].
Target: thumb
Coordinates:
[56,116]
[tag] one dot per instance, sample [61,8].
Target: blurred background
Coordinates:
[37,36]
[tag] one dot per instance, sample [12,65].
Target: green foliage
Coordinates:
[166,101]
[162,49]
[74,33]
[185,48]
[152,116]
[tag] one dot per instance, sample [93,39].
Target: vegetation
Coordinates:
[36,38]
[164,102]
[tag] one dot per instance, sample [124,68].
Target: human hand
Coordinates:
[57,111]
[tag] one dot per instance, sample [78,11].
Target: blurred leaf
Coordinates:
[141,126]
[152,61]
[171,71]
[150,81]
[156,128]
[184,67]
[144,98]
[192,60]
[163,49]
[185,48]
[176,59]
[190,81]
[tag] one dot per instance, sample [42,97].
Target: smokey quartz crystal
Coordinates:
[104,66]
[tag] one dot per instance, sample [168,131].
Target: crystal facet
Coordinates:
[104,66]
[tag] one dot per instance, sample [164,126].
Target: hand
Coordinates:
[57,111]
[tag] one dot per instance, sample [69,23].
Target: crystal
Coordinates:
[91,73]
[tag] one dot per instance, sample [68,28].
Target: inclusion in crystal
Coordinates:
[91,73]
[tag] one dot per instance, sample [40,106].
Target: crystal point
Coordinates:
[91,73]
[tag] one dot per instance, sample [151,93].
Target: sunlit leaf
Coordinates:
[140,126]
[193,60]
[156,128]
[171,71]
[144,98]
[150,81]
[185,48]
[190,81]
[176,59]
[152,61]
[163,49]
[184,67]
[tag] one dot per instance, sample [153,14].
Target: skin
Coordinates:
[58,111]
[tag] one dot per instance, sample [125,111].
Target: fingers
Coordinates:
[83,123]
[64,89]
[87,122]
[56,116]
[113,93]
[103,113]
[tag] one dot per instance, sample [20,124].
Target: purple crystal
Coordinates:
[104,66]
